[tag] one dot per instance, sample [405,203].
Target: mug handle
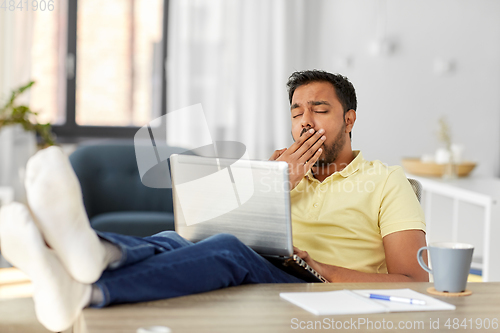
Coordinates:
[421,261]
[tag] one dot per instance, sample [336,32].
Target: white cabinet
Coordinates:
[483,192]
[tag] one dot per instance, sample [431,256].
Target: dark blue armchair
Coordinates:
[113,195]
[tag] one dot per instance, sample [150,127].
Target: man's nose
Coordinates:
[307,120]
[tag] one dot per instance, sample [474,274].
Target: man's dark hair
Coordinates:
[343,87]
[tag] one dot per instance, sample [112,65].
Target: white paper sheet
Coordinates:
[343,302]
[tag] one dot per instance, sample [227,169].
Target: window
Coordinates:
[99,66]
[48,56]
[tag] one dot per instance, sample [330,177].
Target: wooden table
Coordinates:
[18,316]
[258,308]
[17,311]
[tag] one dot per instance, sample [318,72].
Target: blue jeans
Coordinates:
[166,265]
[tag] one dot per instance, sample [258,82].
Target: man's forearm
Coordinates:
[340,274]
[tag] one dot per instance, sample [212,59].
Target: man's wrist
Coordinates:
[317,266]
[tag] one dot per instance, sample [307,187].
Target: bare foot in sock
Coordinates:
[55,199]
[58,298]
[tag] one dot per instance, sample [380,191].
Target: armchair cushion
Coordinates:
[134,223]
[113,195]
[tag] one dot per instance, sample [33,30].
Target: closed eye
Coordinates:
[297,115]
[321,111]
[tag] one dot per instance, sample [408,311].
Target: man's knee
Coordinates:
[228,240]
[167,233]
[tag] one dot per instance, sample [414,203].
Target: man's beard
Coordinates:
[331,152]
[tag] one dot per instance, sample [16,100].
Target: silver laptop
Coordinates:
[249,199]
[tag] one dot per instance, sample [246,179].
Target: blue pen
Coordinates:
[396,299]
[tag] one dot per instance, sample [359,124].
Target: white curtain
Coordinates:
[16,145]
[234,57]
[16,32]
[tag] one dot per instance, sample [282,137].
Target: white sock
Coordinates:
[97,296]
[112,253]
[55,199]
[58,298]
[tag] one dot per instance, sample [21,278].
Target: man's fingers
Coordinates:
[308,144]
[276,154]
[309,148]
[300,253]
[313,159]
[312,149]
[297,144]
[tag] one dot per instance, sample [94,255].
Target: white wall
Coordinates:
[400,96]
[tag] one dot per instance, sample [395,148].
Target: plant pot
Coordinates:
[16,147]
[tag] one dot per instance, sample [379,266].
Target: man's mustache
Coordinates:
[304,130]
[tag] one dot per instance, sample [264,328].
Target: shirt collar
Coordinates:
[347,171]
[354,165]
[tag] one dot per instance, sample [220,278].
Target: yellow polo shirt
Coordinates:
[342,220]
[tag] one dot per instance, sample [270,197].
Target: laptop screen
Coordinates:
[247,198]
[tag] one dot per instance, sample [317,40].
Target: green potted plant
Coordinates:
[18,126]
[12,114]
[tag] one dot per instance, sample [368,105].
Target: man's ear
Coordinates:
[349,119]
